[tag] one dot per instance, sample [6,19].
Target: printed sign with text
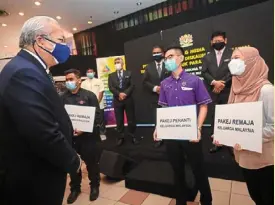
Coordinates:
[240,123]
[179,123]
[82,117]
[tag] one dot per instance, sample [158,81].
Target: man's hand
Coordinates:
[158,89]
[77,132]
[217,143]
[155,136]
[237,147]
[199,137]
[122,96]
[218,86]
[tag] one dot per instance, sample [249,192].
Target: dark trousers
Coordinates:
[260,184]
[102,122]
[86,147]
[129,107]
[218,99]
[154,107]
[178,152]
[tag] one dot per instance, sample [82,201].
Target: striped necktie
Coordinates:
[120,79]
[51,77]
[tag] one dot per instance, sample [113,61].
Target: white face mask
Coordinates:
[118,66]
[236,67]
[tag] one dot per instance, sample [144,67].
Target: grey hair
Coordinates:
[35,26]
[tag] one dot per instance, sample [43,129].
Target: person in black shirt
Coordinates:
[84,143]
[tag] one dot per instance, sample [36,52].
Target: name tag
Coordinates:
[227,60]
[186,88]
[127,76]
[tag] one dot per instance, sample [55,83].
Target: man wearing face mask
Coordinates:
[84,143]
[154,73]
[96,86]
[121,85]
[36,132]
[216,73]
[183,89]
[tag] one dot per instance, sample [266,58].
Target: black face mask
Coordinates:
[218,46]
[157,57]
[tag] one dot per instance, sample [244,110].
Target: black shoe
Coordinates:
[135,141]
[158,144]
[215,149]
[120,141]
[94,193]
[73,197]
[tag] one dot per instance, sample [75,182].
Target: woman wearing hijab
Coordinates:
[249,84]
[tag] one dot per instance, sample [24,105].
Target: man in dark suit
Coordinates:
[122,87]
[36,131]
[216,73]
[155,72]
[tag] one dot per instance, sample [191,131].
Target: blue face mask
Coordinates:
[90,75]
[60,52]
[71,85]
[171,65]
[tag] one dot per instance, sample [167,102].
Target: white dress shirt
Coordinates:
[96,86]
[161,67]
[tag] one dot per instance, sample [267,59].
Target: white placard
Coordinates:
[240,123]
[82,117]
[179,123]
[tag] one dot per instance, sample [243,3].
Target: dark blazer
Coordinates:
[211,71]
[151,79]
[36,135]
[127,85]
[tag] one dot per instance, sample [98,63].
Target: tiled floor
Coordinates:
[224,192]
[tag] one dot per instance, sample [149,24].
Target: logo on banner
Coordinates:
[186,40]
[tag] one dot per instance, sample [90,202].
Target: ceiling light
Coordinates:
[4,25]
[116,12]
[58,17]
[90,22]
[75,29]
[21,13]
[5,46]
[37,3]
[139,3]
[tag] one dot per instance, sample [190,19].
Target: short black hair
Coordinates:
[91,69]
[74,71]
[157,46]
[218,33]
[177,48]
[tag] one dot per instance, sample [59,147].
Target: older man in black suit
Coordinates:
[155,72]
[122,87]
[216,72]
[36,131]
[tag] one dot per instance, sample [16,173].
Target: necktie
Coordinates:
[120,79]
[159,69]
[219,56]
[51,77]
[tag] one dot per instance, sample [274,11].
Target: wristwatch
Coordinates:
[199,128]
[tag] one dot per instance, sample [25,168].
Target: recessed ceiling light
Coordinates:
[90,22]
[21,13]
[139,3]
[116,12]
[75,29]
[5,46]
[37,3]
[4,25]
[58,17]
